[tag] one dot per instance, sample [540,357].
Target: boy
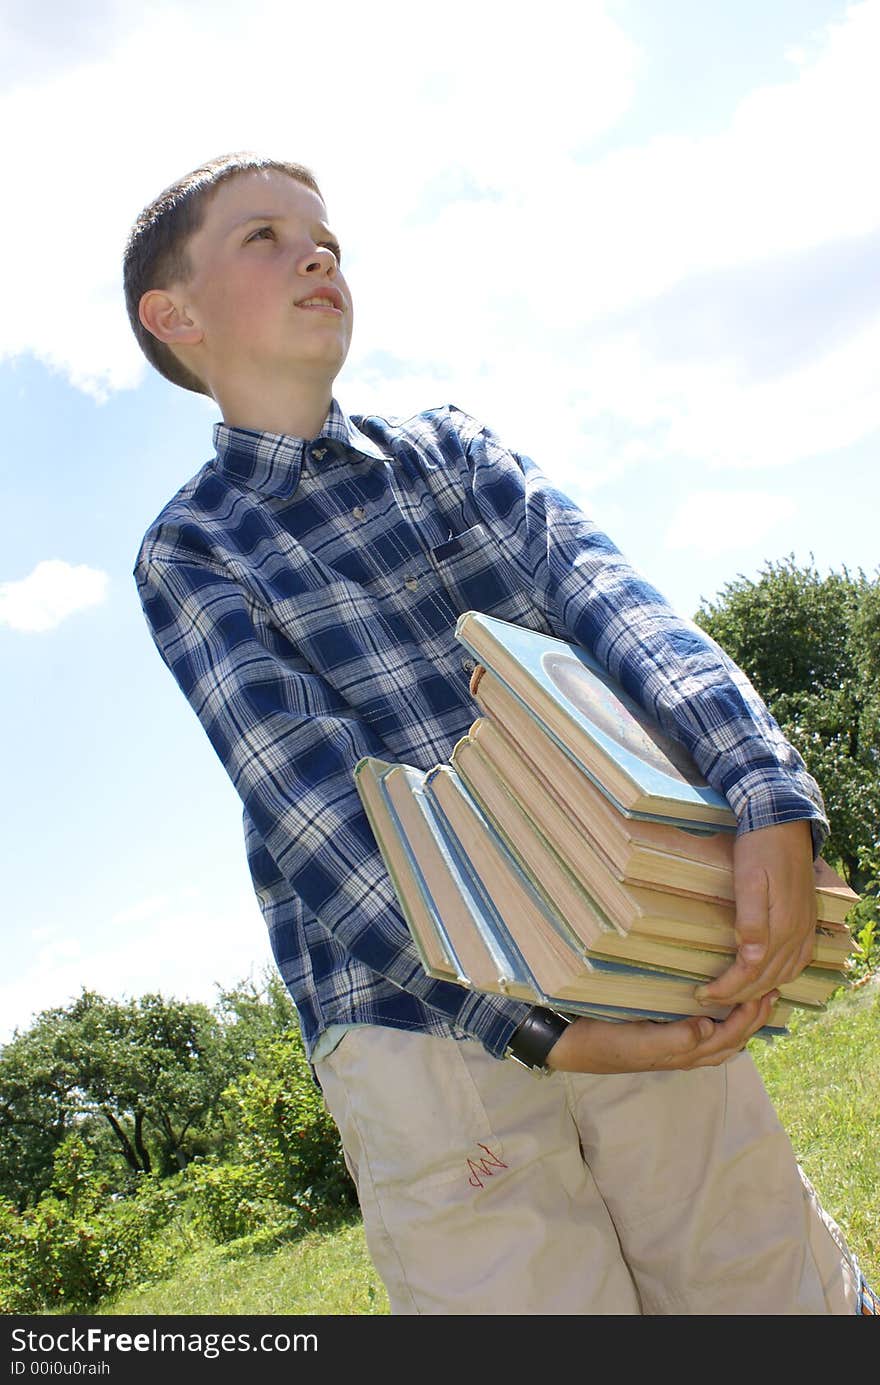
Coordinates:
[303,589]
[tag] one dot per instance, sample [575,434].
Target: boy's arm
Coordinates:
[591,595]
[290,746]
[592,1046]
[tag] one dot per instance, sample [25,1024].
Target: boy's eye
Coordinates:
[268,233]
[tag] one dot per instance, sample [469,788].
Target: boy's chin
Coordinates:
[325,357]
[308,369]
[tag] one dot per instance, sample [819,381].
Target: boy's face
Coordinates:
[266,289]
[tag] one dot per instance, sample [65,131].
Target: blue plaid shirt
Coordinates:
[304,595]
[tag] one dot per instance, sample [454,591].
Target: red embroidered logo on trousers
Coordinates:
[484,1167]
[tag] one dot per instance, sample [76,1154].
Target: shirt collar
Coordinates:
[273,462]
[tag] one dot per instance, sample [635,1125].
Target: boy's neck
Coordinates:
[299,413]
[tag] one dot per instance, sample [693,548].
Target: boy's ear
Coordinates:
[168,320]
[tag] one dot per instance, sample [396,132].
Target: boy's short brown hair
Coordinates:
[156,251]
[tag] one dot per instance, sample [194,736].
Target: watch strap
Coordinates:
[532,1041]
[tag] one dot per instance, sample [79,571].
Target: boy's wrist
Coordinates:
[530,1044]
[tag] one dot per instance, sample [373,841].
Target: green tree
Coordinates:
[252,1014]
[286,1132]
[38,1102]
[80,1242]
[153,1068]
[141,1081]
[811,646]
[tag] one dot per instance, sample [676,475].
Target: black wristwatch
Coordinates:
[533,1040]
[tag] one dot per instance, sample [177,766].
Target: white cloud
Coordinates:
[830,403]
[488,251]
[49,594]
[182,946]
[519,316]
[364,97]
[35,39]
[140,912]
[712,522]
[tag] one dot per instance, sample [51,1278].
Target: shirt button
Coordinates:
[411,582]
[359,512]
[318,453]
[468,665]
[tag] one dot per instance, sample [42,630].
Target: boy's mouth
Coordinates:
[323,300]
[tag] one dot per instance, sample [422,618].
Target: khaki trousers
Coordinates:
[488,1189]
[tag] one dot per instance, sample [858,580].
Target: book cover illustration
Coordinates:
[644,771]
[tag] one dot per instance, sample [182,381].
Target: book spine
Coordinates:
[418,881]
[501,968]
[542,939]
[546,869]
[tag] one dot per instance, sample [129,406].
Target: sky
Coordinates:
[641,241]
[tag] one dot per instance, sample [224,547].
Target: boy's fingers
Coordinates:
[806,953]
[724,1039]
[775,913]
[741,980]
[744,977]
[643,1046]
[699,1041]
[733,1033]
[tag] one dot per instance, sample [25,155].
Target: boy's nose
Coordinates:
[317,260]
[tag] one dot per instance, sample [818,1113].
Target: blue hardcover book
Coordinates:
[457,932]
[442,903]
[642,771]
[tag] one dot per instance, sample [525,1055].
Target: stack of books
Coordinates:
[570,853]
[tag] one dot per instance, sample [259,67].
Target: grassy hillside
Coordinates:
[825,1081]
[325,1273]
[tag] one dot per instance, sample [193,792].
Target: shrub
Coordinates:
[229,1202]
[79,1243]
[288,1135]
[287,1169]
[864,922]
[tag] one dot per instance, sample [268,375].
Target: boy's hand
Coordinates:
[775,912]
[644,1046]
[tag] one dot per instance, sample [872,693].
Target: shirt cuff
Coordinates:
[765,800]
[491,1020]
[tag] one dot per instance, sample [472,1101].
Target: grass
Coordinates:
[824,1079]
[324,1273]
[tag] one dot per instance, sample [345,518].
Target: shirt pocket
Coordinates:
[478,576]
